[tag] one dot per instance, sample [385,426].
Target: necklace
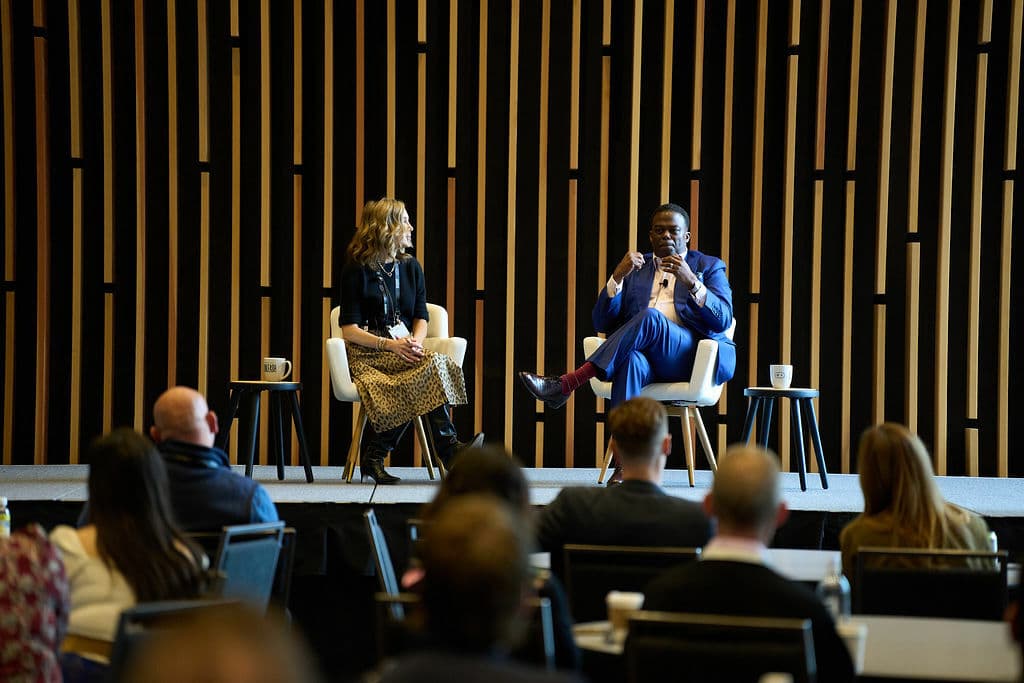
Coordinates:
[394,264]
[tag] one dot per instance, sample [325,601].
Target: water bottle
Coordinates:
[5,517]
[834,591]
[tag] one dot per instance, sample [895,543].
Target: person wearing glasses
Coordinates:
[655,308]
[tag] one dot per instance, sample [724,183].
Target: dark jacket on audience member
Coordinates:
[207,494]
[632,513]
[751,590]
[442,666]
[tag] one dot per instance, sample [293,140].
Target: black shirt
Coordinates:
[363,300]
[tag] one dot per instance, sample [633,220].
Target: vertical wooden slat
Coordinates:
[297,291]
[236,210]
[510,269]
[944,236]
[974,273]
[172,194]
[698,79]
[666,92]
[390,115]
[453,110]
[819,199]
[757,187]
[108,214]
[421,146]
[360,106]
[788,200]
[572,284]
[265,56]
[75,111]
[602,209]
[912,334]
[1006,241]
[328,87]
[140,213]
[727,134]
[203,97]
[851,192]
[481,211]
[542,211]
[42,121]
[634,125]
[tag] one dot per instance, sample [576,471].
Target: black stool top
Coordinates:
[259,385]
[772,392]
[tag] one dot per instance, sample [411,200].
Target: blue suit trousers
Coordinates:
[647,348]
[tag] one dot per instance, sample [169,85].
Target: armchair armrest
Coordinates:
[341,379]
[450,346]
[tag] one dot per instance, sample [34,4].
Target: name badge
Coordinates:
[398,330]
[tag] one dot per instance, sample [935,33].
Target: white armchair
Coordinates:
[681,399]
[437,340]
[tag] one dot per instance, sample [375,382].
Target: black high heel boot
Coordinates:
[446,439]
[372,466]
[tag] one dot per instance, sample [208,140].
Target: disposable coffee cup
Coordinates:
[781,376]
[276,369]
[621,606]
[855,637]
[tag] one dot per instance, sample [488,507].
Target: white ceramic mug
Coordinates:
[621,605]
[781,376]
[276,369]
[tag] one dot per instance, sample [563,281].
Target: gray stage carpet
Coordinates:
[991,497]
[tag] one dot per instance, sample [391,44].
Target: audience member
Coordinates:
[33,607]
[130,551]
[232,644]
[476,572]
[902,504]
[490,470]
[636,512]
[733,575]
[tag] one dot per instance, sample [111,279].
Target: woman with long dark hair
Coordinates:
[131,551]
[384,321]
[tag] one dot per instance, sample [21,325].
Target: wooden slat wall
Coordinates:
[829,244]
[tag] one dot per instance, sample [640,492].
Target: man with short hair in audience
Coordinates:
[637,511]
[476,568]
[205,492]
[734,575]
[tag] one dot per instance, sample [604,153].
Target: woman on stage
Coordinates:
[383,321]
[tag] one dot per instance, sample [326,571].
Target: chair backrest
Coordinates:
[708,647]
[382,556]
[961,584]
[437,326]
[138,623]
[591,571]
[247,561]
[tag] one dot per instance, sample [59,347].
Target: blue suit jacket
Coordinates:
[707,322]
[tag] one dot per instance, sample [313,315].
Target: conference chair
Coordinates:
[681,399]
[956,584]
[382,556]
[711,648]
[344,388]
[247,562]
[137,624]
[591,571]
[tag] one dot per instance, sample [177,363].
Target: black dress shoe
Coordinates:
[547,389]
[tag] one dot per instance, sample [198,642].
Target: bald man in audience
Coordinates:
[734,574]
[635,512]
[205,492]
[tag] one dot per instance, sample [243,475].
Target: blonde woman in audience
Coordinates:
[902,504]
[131,551]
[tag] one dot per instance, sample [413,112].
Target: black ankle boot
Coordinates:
[372,466]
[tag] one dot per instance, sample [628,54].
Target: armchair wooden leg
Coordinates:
[687,442]
[425,446]
[353,449]
[704,440]
[607,461]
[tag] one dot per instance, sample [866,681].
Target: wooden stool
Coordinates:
[764,397]
[249,421]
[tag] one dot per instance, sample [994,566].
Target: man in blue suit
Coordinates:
[655,308]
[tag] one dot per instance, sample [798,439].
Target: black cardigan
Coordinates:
[363,304]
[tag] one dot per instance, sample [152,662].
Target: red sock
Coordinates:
[571,381]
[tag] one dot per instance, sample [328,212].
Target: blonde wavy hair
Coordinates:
[896,477]
[379,235]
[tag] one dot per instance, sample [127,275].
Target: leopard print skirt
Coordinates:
[393,391]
